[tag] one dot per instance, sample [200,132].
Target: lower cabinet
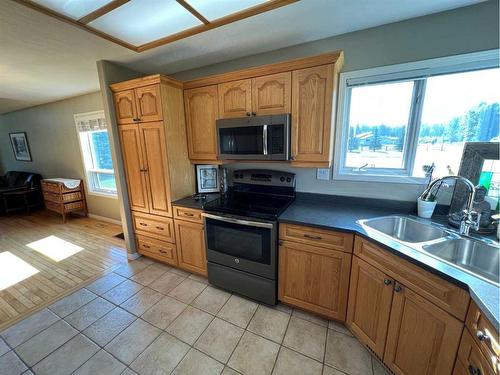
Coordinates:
[470,360]
[409,333]
[314,278]
[159,250]
[190,240]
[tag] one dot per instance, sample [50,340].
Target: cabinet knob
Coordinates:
[136,119]
[482,336]
[248,113]
[387,282]
[474,370]
[397,288]
[280,243]
[254,114]
[292,157]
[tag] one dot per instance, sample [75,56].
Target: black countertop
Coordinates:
[191,202]
[341,213]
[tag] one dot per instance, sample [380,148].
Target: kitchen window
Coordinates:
[96,153]
[398,121]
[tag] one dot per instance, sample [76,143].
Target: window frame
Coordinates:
[87,153]
[415,71]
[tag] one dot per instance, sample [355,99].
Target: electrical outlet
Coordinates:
[323,173]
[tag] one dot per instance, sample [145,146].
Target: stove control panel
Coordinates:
[264,177]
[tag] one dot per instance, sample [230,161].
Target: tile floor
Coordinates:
[148,318]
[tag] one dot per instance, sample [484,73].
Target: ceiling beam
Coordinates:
[249,12]
[102,11]
[193,11]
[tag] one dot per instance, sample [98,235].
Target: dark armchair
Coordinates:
[20,189]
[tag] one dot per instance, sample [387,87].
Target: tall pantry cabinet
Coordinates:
[151,124]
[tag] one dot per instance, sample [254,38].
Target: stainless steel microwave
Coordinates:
[254,138]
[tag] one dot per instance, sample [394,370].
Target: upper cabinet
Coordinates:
[235,99]
[142,104]
[312,99]
[201,105]
[272,94]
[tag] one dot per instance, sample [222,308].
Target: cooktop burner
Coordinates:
[261,194]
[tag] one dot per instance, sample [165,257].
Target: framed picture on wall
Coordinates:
[20,146]
[207,178]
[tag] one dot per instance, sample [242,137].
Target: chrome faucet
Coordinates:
[469,217]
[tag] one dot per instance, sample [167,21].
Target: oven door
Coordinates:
[242,244]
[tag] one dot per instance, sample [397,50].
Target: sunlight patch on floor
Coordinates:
[55,248]
[13,270]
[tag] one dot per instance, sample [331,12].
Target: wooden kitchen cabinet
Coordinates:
[148,102]
[370,299]
[422,338]
[191,253]
[145,163]
[272,94]
[472,360]
[314,278]
[125,107]
[135,166]
[235,99]
[202,111]
[312,101]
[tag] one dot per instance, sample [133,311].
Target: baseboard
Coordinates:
[104,218]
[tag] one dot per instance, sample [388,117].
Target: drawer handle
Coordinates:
[397,288]
[188,214]
[474,370]
[143,224]
[387,282]
[146,246]
[159,228]
[313,237]
[483,336]
[163,252]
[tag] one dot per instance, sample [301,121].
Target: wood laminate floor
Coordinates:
[42,260]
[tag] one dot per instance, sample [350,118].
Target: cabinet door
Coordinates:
[422,339]
[370,298]
[148,101]
[201,113]
[135,167]
[235,99]
[312,95]
[126,112]
[154,144]
[272,94]
[314,278]
[191,254]
[471,357]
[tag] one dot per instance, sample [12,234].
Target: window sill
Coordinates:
[381,178]
[103,195]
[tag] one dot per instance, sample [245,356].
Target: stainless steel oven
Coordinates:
[254,138]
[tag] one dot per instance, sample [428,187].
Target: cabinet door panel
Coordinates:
[312,95]
[191,254]
[370,298]
[235,98]
[201,113]
[272,94]
[125,108]
[153,135]
[422,339]
[148,101]
[314,278]
[470,356]
[135,167]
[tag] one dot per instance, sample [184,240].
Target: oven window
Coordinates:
[241,140]
[239,241]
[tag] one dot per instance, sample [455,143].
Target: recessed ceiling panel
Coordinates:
[75,9]
[213,9]
[139,21]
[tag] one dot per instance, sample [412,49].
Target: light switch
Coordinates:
[323,173]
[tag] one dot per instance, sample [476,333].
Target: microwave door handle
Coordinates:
[238,221]
[264,139]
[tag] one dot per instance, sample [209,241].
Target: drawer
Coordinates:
[57,198]
[484,333]
[57,207]
[160,250]
[473,359]
[158,227]
[51,186]
[442,293]
[73,206]
[317,237]
[188,214]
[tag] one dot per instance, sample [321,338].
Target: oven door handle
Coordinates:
[238,221]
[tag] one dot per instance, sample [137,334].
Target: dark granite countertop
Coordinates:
[341,213]
[190,202]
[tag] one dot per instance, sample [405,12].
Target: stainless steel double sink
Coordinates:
[477,257]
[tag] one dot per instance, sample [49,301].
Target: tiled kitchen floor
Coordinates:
[148,318]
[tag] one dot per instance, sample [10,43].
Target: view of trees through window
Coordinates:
[102,160]
[457,108]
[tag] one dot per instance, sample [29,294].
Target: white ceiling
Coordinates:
[43,59]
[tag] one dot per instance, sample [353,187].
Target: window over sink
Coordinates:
[96,153]
[397,121]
